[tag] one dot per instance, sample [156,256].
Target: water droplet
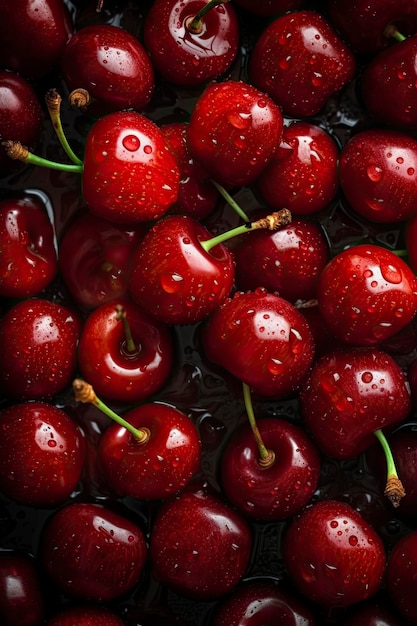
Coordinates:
[374,173]
[239,120]
[367,377]
[275,366]
[391,274]
[334,523]
[52,443]
[131,143]
[171,282]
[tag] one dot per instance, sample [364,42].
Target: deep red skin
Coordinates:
[42,453]
[367,294]
[262,340]
[44,27]
[378,174]
[300,61]
[199,546]
[410,234]
[333,555]
[186,58]
[28,258]
[94,258]
[85,616]
[348,395]
[401,576]
[197,195]
[38,342]
[234,131]
[21,598]
[276,492]
[157,467]
[112,65]
[91,552]
[288,261]
[104,360]
[303,174]
[389,79]
[269,7]
[362,23]
[20,117]
[128,185]
[372,615]
[174,278]
[258,603]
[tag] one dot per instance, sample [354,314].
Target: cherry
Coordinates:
[199,546]
[85,616]
[262,340]
[28,258]
[334,557]
[191,42]
[234,131]
[371,614]
[111,65]
[151,453]
[38,343]
[303,173]
[42,454]
[92,552]
[300,62]
[401,573]
[367,294]
[22,602]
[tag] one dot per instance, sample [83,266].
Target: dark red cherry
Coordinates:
[401,575]
[22,601]
[88,615]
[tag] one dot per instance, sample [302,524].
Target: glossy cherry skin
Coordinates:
[351,393]
[91,552]
[28,258]
[173,278]
[401,575]
[185,57]
[21,116]
[44,26]
[112,65]
[234,131]
[262,340]
[38,343]
[85,616]
[367,294]
[333,555]
[279,490]
[303,174]
[287,261]
[371,614]
[378,174]
[94,258]
[199,546]
[129,174]
[387,85]
[21,597]
[157,467]
[257,603]
[300,61]
[42,453]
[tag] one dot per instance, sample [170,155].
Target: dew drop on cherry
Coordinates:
[374,173]
[391,274]
[131,143]
[171,282]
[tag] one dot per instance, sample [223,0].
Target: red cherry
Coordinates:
[401,575]
[85,616]
[38,342]
[41,454]
[112,65]
[300,61]
[333,555]
[91,552]
[367,294]
[21,596]
[234,131]
[186,49]
[199,546]
[28,258]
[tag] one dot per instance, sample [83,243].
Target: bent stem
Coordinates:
[194,25]
[394,489]
[230,201]
[16,151]
[85,393]
[53,102]
[266,457]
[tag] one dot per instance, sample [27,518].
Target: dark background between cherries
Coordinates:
[213,402]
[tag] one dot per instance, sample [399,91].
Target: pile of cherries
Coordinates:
[208,331]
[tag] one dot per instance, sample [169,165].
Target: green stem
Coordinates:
[131,346]
[16,151]
[230,201]
[394,489]
[392,31]
[267,457]
[194,25]
[401,253]
[53,102]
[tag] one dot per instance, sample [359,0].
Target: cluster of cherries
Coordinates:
[208,337]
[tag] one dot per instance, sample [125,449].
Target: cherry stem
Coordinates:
[392,31]
[121,316]
[270,222]
[16,151]
[194,25]
[85,393]
[53,102]
[230,201]
[266,457]
[394,489]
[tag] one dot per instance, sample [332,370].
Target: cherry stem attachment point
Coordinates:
[16,151]
[85,393]
[194,24]
[392,32]
[394,489]
[53,102]
[230,201]
[131,347]
[266,457]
